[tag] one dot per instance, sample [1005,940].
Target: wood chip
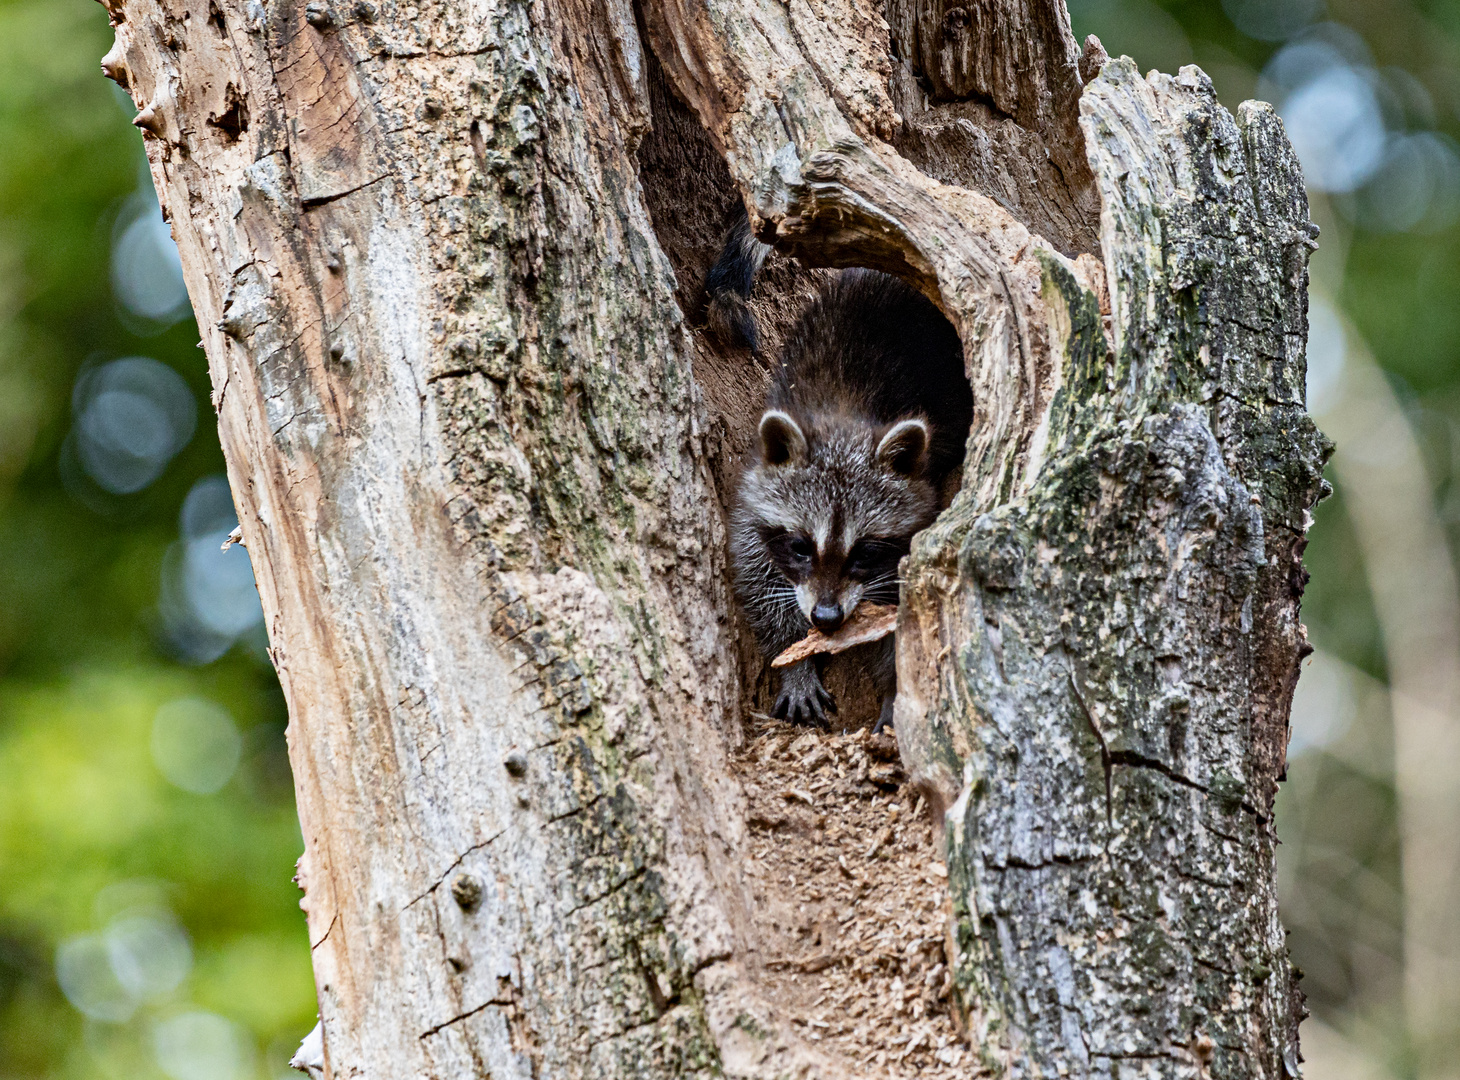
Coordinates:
[855,902]
[812,965]
[870,622]
[882,838]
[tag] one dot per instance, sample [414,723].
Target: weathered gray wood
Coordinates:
[1100,640]
[1099,662]
[461,413]
[471,482]
[988,94]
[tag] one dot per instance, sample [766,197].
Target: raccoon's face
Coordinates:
[835,508]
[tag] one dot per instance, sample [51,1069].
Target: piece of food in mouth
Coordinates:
[870,622]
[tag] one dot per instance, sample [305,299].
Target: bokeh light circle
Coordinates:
[201,1046]
[1337,129]
[196,745]
[132,416]
[147,276]
[149,954]
[84,972]
[1272,20]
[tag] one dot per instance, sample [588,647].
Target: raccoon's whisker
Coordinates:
[883,593]
[779,590]
[784,605]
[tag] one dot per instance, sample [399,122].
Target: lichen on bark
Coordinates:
[1108,730]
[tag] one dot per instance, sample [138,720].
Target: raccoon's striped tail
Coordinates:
[729,282]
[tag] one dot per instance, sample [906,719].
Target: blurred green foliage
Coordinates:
[88,822]
[87,819]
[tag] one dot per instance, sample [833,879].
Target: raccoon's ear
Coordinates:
[904,449]
[781,439]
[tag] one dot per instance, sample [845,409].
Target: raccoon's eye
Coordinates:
[869,556]
[802,548]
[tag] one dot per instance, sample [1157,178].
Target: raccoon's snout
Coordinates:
[827,616]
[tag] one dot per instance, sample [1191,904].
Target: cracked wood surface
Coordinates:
[1111,721]
[1099,640]
[458,401]
[480,515]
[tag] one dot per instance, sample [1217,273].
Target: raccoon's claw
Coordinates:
[885,720]
[810,709]
[803,700]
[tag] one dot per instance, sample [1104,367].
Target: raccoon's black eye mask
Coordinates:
[871,557]
[792,552]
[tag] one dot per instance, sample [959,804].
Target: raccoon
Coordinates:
[867,414]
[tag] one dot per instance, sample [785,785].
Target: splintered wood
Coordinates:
[870,622]
[851,896]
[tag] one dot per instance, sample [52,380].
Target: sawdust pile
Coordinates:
[852,900]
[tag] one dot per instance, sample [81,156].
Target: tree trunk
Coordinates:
[445,260]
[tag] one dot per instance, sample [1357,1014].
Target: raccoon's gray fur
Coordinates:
[867,413]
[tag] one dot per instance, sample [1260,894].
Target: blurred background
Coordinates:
[148,923]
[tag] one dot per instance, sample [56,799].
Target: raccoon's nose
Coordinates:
[826,617]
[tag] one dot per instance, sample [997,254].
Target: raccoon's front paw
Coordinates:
[803,699]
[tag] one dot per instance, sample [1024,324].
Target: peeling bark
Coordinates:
[480,451]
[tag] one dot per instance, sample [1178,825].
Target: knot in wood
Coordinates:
[992,555]
[516,764]
[466,890]
[114,67]
[149,120]
[955,21]
[317,15]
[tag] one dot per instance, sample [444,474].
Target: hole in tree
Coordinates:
[848,888]
[233,120]
[693,201]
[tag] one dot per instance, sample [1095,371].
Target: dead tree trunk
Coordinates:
[480,453]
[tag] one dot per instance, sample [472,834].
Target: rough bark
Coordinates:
[1114,722]
[480,457]
[470,481]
